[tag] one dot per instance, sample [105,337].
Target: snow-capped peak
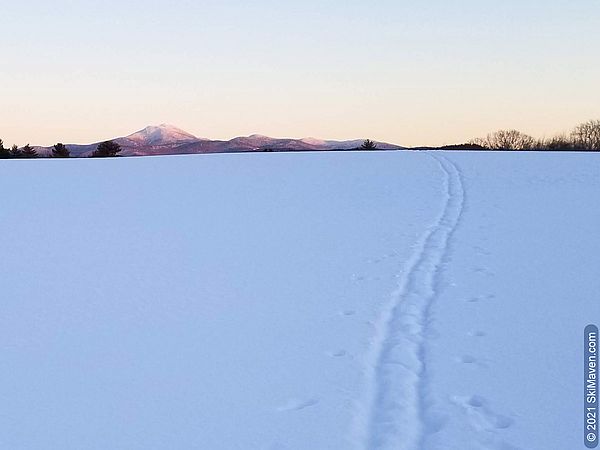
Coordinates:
[313,141]
[161,134]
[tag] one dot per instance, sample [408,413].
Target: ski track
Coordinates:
[397,404]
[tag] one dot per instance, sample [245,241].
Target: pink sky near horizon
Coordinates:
[432,73]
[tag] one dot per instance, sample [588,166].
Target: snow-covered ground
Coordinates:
[384,300]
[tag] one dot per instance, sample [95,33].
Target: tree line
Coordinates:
[584,137]
[104,150]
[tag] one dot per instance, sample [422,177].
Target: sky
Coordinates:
[413,73]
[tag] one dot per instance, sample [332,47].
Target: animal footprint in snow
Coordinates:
[480,298]
[476,401]
[338,353]
[470,360]
[298,405]
[483,271]
[467,359]
[348,312]
[477,334]
[481,416]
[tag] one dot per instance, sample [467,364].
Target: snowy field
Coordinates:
[384,300]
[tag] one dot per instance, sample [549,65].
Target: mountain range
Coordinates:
[167,139]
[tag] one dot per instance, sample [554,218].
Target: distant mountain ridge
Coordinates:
[159,135]
[167,139]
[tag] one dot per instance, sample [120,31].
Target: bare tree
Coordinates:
[506,140]
[555,143]
[586,136]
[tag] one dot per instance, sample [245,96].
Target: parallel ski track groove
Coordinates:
[396,413]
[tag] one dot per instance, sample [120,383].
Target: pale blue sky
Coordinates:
[415,73]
